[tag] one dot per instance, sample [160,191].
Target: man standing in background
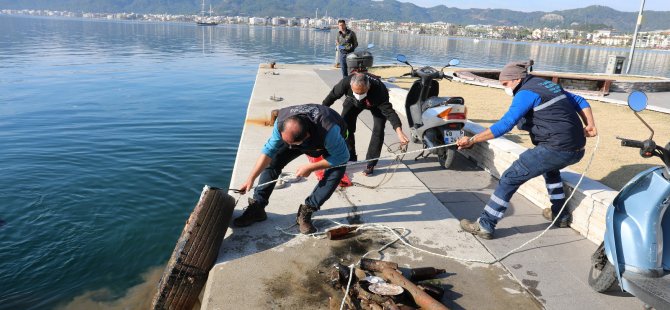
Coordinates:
[346,43]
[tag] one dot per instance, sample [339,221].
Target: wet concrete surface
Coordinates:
[301,277]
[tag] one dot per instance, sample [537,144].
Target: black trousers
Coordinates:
[350,113]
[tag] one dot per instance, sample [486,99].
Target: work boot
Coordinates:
[562,222]
[252,213]
[304,219]
[369,170]
[476,229]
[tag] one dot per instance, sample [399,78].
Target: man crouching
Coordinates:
[311,129]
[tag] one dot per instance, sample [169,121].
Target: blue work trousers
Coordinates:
[532,163]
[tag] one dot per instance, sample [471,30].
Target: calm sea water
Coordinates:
[109,130]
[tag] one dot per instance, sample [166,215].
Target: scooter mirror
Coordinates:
[401,58]
[454,62]
[637,101]
[371,45]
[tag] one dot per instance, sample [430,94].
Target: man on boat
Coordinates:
[552,117]
[311,129]
[346,43]
[365,92]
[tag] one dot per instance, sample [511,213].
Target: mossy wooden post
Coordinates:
[196,251]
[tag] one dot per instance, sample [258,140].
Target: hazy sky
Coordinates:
[547,5]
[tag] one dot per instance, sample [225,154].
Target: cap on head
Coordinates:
[515,70]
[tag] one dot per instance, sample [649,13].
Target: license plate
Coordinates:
[451,136]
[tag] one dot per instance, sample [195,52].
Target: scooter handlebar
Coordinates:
[631,143]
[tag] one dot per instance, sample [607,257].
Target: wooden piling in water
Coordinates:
[196,251]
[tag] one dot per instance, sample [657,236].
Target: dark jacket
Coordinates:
[554,122]
[378,97]
[348,40]
[319,120]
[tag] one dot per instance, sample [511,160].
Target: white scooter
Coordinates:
[433,120]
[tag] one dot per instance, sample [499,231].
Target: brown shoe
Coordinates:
[304,219]
[252,214]
[475,229]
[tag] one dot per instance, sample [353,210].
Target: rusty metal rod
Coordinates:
[420,297]
[376,265]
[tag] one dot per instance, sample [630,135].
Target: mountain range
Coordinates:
[380,10]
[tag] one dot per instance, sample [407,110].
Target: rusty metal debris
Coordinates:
[376,265]
[421,298]
[341,232]
[390,291]
[424,273]
[385,289]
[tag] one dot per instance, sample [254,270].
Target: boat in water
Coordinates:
[317,22]
[206,20]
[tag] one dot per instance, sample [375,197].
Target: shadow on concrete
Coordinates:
[510,231]
[262,236]
[460,164]
[618,178]
[450,296]
[408,209]
[616,292]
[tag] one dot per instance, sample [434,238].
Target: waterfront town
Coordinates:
[659,39]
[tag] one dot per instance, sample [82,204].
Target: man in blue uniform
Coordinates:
[310,129]
[552,117]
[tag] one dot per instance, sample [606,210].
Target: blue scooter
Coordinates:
[633,253]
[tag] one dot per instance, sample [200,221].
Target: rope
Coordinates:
[402,239]
[395,163]
[291,176]
[351,275]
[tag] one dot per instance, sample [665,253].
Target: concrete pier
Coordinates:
[261,267]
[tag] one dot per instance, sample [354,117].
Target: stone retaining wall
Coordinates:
[649,87]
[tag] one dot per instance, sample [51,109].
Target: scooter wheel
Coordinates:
[602,275]
[446,157]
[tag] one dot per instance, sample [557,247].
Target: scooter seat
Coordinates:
[652,291]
